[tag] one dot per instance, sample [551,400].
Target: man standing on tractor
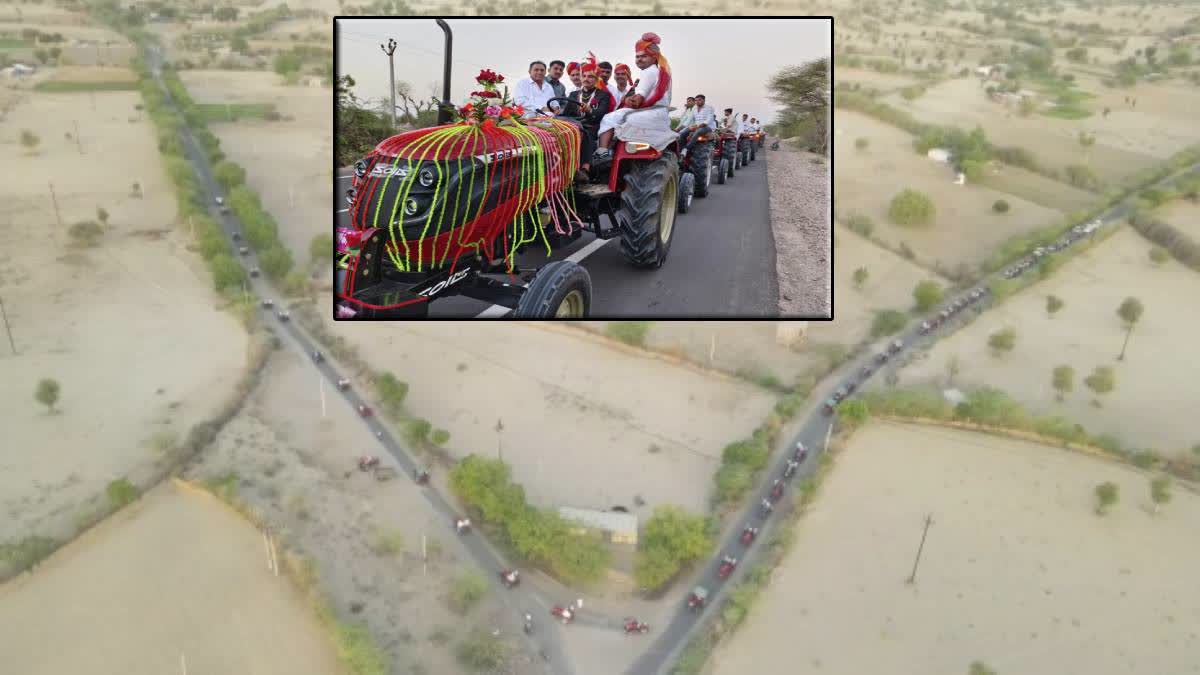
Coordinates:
[575,75]
[703,120]
[621,86]
[647,107]
[554,75]
[594,103]
[534,91]
[729,121]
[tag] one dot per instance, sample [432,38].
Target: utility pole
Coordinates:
[913,577]
[77,144]
[53,198]
[7,328]
[390,49]
[827,435]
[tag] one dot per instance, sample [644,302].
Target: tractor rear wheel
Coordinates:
[722,171]
[687,188]
[646,215]
[559,290]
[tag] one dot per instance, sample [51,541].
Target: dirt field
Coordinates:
[581,427]
[291,462]
[106,48]
[1125,143]
[870,78]
[1154,387]
[889,286]
[965,229]
[1183,214]
[287,162]
[117,325]
[176,583]
[1017,571]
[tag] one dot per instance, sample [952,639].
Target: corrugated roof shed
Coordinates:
[610,521]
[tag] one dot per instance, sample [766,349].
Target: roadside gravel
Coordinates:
[800,212]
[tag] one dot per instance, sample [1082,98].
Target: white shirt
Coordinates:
[530,97]
[617,93]
[706,115]
[743,127]
[648,81]
[688,118]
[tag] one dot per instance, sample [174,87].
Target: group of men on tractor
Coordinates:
[606,109]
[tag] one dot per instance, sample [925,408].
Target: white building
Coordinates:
[939,155]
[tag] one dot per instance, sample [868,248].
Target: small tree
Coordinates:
[468,590]
[978,668]
[1160,492]
[440,437]
[86,232]
[136,191]
[1159,255]
[391,392]
[911,207]
[321,247]
[29,139]
[417,431]
[1000,206]
[1002,341]
[47,394]
[861,143]
[102,215]
[1063,380]
[1130,312]
[860,277]
[1107,494]
[887,322]
[1101,381]
[927,294]
[1053,304]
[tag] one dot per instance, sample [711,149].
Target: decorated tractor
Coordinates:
[745,148]
[748,535]
[632,625]
[563,614]
[510,578]
[728,564]
[790,469]
[776,490]
[697,598]
[725,155]
[446,210]
[698,163]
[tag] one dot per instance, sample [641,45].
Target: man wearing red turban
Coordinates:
[621,84]
[573,73]
[645,110]
[594,103]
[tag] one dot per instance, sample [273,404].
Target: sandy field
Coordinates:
[116,325]
[1154,384]
[291,459]
[582,424]
[287,162]
[1037,188]
[1124,145]
[175,583]
[1017,571]
[870,78]
[1183,214]
[889,286]
[92,74]
[111,48]
[731,346]
[1127,18]
[866,181]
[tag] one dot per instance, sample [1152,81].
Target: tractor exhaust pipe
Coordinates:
[444,109]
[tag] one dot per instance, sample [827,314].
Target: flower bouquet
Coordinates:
[488,106]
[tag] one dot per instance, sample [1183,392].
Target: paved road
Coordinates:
[722,260]
[524,598]
[813,429]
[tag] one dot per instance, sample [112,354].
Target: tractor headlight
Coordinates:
[427,177]
[410,206]
[360,168]
[633,147]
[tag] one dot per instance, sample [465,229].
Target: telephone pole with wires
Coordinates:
[390,50]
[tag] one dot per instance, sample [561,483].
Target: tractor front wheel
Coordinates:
[687,188]
[559,290]
[722,171]
[646,215]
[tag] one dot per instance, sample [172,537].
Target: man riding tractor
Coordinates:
[698,140]
[697,598]
[563,614]
[421,476]
[728,564]
[632,625]
[510,578]
[766,507]
[790,469]
[776,489]
[462,525]
[748,535]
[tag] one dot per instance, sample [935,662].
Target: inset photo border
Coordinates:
[583,168]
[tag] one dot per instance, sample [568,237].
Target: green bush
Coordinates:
[121,493]
[630,332]
[911,207]
[417,431]
[888,322]
[861,224]
[671,539]
[481,651]
[1000,206]
[467,592]
[927,295]
[440,437]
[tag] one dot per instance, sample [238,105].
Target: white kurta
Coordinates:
[531,97]
[616,92]
[640,121]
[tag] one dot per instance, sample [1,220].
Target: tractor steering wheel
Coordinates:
[571,109]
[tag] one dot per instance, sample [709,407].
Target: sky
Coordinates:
[728,60]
